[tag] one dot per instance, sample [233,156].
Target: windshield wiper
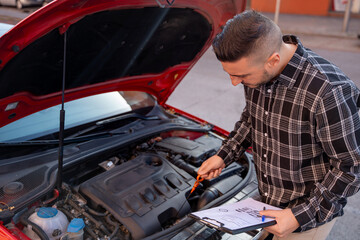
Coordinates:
[126,116]
[104,122]
[75,137]
[66,140]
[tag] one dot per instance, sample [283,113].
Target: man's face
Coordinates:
[247,72]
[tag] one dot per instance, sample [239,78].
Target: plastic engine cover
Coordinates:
[196,151]
[143,194]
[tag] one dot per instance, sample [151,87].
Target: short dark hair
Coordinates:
[244,34]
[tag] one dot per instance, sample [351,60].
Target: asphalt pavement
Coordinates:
[207,92]
[11,15]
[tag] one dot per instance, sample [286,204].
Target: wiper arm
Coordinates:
[126,116]
[114,119]
[66,140]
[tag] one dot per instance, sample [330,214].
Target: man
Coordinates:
[301,119]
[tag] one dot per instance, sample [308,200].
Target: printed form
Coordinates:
[236,217]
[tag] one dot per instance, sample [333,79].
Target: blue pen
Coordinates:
[264,216]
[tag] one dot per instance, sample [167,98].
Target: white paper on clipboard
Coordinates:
[236,217]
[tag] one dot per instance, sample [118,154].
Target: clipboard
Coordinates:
[237,217]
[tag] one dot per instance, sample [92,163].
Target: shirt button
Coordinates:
[266,194]
[266,112]
[269,90]
[264,155]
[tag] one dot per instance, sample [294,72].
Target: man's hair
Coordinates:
[247,34]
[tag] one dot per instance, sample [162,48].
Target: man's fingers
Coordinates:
[217,172]
[272,229]
[204,176]
[286,222]
[271,213]
[211,175]
[211,167]
[202,169]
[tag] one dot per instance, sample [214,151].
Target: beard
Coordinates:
[265,78]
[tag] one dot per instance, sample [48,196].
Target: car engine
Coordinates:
[140,190]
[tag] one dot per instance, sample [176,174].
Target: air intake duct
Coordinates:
[218,189]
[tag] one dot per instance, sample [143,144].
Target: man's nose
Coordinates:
[235,81]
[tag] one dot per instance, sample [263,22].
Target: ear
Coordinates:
[273,61]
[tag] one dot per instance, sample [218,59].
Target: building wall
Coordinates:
[310,7]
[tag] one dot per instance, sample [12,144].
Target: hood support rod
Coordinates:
[62,123]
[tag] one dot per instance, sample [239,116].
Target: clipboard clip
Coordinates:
[207,219]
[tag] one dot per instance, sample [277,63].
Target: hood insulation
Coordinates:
[106,46]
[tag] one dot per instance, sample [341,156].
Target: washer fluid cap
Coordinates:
[47,212]
[76,225]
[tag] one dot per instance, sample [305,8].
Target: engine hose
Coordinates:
[116,226]
[96,213]
[104,229]
[24,219]
[56,195]
[91,232]
[180,163]
[208,195]
[218,189]
[111,237]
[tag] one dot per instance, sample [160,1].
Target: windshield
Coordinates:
[77,112]
[4,28]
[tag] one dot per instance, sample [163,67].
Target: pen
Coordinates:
[264,216]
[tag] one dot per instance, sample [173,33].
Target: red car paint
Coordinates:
[61,14]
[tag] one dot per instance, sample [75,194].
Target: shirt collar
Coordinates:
[288,76]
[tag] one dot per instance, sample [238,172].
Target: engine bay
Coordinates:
[140,190]
[144,194]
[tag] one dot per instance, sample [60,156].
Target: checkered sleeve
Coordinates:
[239,137]
[338,132]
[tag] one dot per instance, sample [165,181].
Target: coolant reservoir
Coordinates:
[51,220]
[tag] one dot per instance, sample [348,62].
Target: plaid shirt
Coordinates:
[304,129]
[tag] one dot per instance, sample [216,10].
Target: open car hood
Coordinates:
[145,45]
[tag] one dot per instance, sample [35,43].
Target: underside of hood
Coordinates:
[107,45]
[111,46]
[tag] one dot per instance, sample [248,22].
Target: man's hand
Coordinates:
[212,167]
[286,222]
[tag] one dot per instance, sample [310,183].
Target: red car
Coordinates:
[88,145]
